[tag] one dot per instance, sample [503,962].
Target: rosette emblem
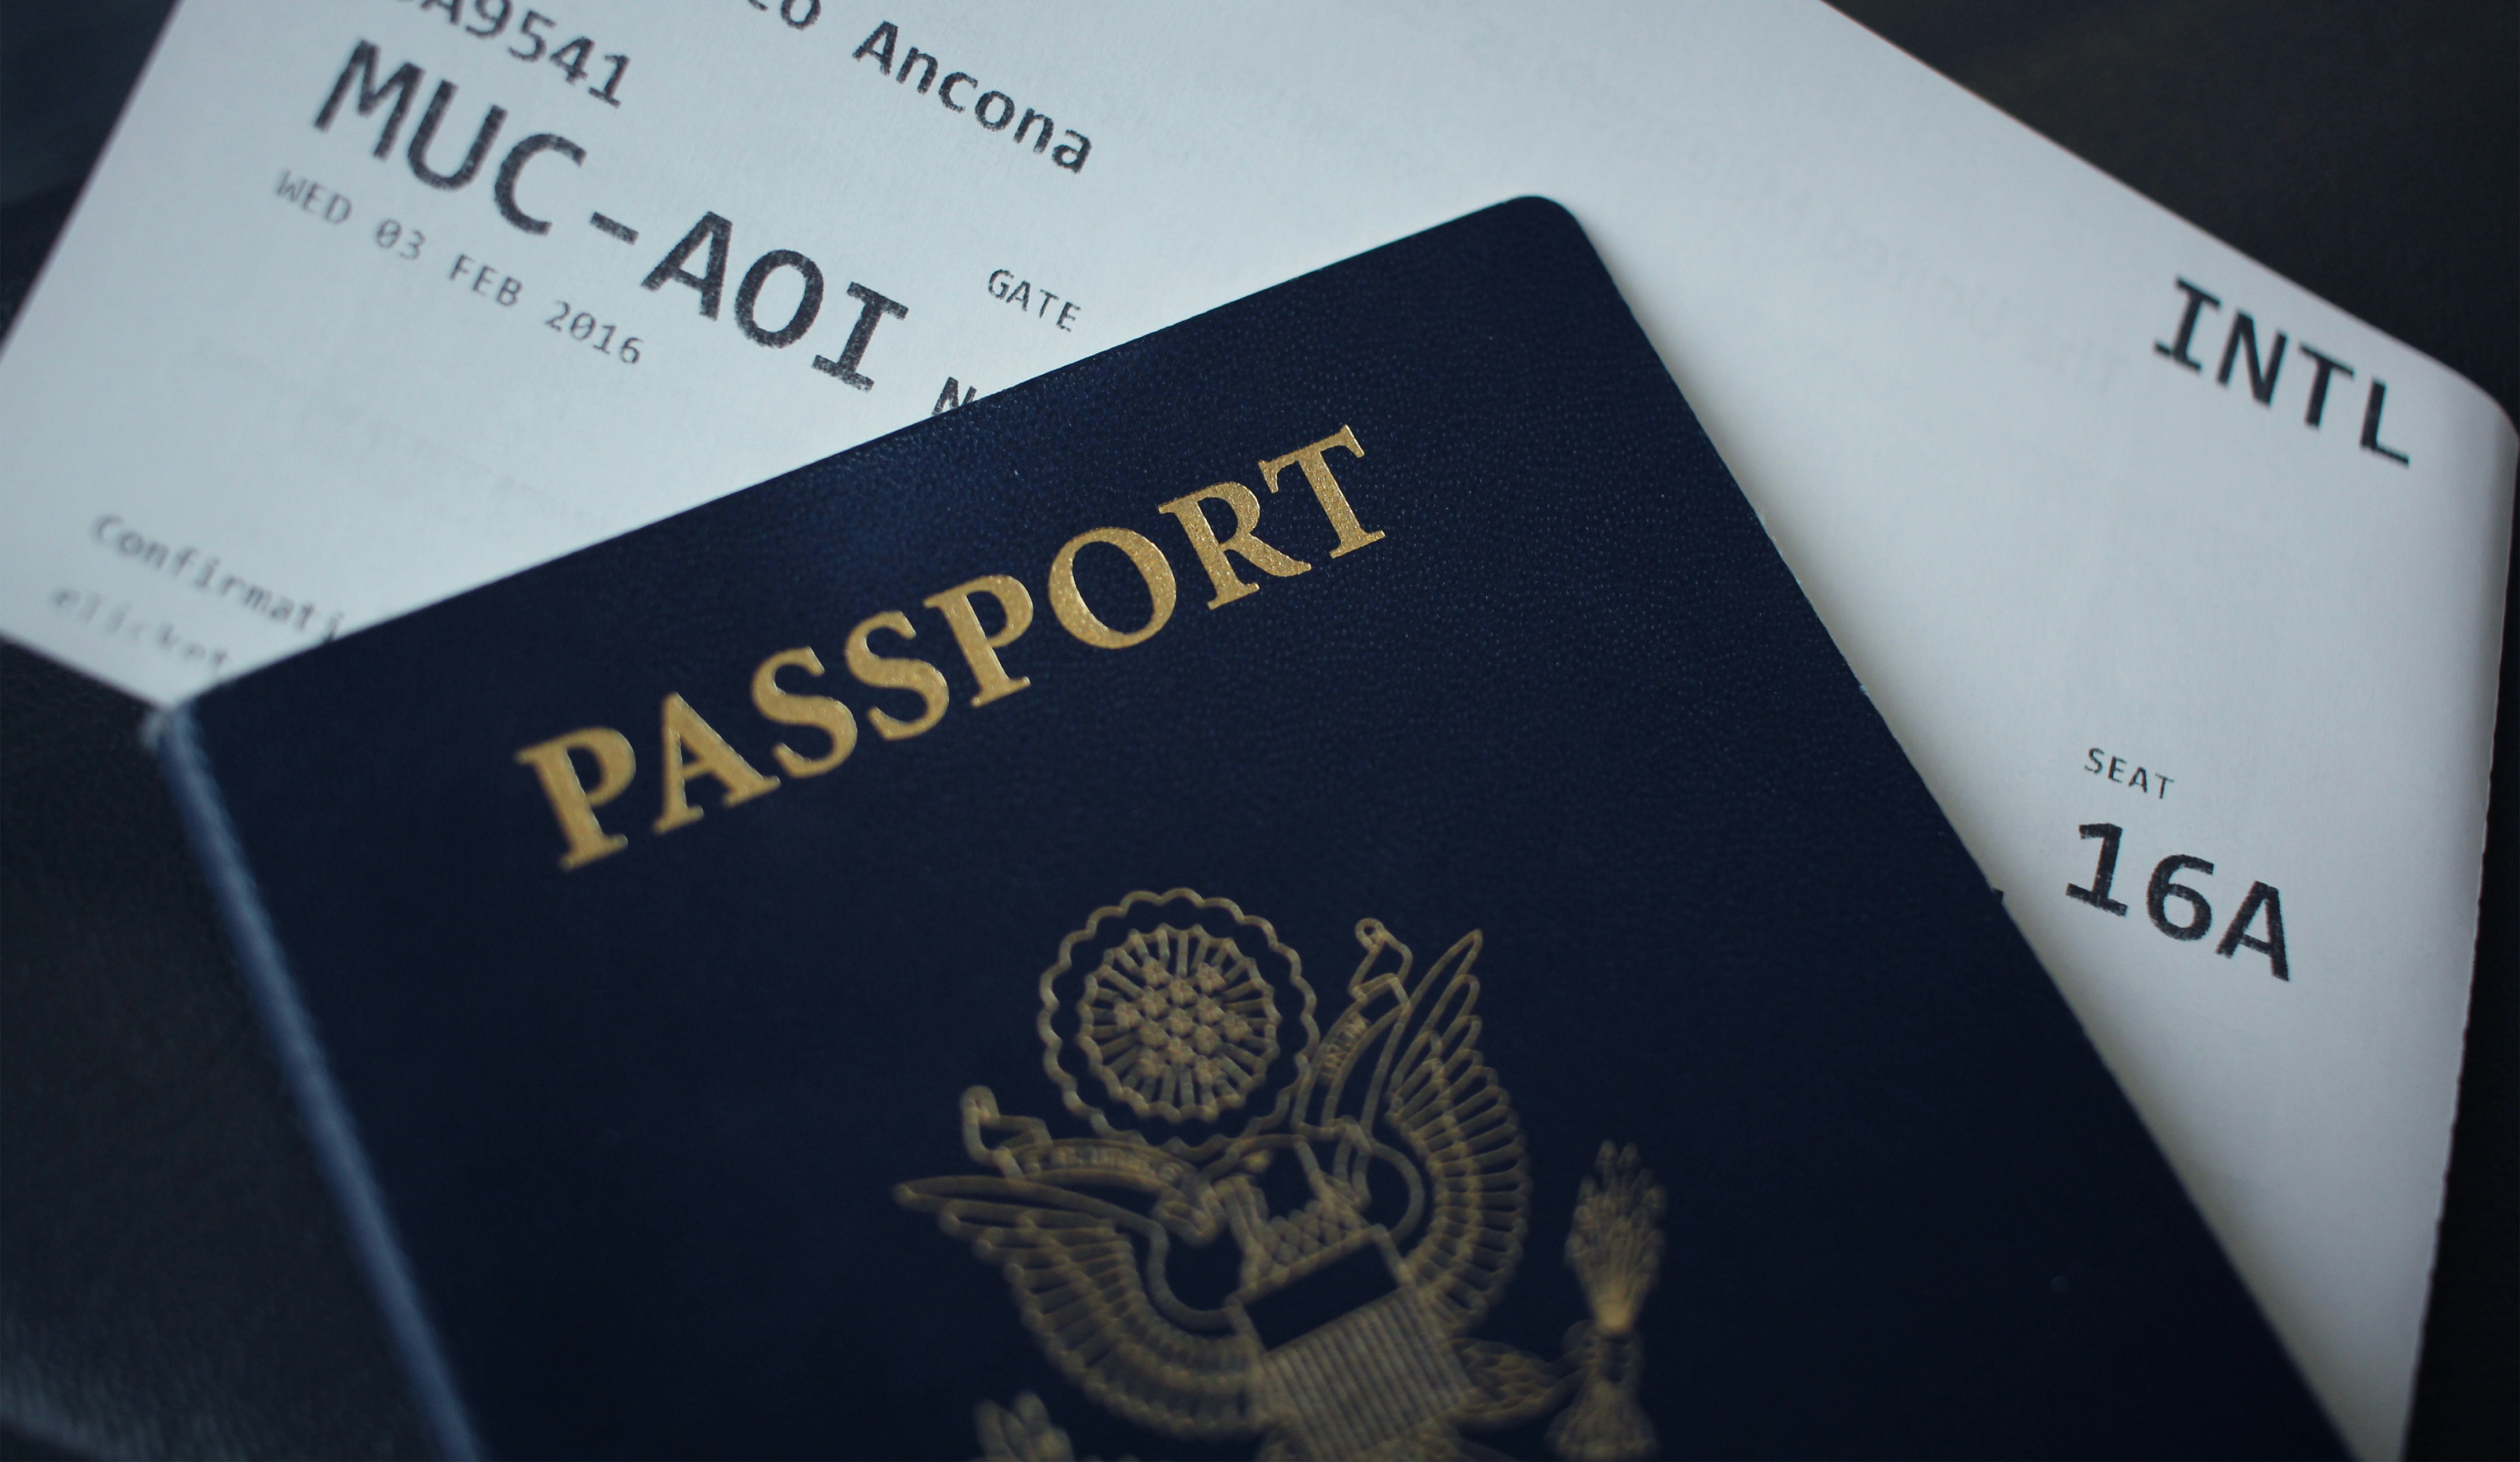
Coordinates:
[1167,1014]
[1178,1023]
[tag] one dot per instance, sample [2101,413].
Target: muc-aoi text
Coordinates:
[586,770]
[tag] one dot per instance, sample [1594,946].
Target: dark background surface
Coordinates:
[172,1280]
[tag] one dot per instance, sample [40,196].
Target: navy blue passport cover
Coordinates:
[1362,910]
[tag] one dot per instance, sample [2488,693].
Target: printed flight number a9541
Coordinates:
[2257,926]
[488,20]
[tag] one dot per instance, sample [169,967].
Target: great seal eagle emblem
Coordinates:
[1369,1181]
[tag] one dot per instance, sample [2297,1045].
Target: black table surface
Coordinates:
[172,1279]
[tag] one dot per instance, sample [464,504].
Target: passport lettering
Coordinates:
[691,750]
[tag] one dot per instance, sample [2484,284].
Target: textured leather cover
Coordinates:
[683,1149]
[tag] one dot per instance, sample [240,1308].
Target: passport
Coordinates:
[1308,885]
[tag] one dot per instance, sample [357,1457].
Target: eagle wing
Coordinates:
[1432,1095]
[1078,1268]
